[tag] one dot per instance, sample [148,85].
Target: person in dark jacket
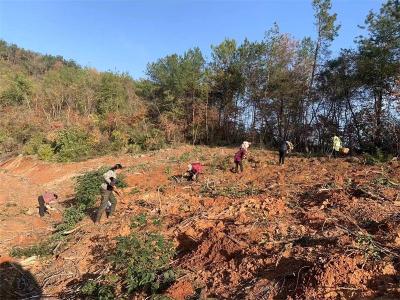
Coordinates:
[285,148]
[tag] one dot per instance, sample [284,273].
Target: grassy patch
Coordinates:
[42,249]
[219,162]
[212,190]
[143,167]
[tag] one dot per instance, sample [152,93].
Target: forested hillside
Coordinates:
[265,91]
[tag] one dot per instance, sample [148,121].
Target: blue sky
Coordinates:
[125,35]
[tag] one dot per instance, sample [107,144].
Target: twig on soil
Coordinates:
[323,225]
[56,247]
[287,247]
[285,241]
[376,244]
[234,240]
[341,288]
[159,199]
[72,230]
[298,276]
[371,195]
[46,280]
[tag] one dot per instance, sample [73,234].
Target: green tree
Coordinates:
[327,30]
[176,89]
[226,84]
[19,92]
[379,60]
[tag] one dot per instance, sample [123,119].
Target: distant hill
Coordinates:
[59,110]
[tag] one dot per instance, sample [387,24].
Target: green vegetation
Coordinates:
[367,246]
[219,162]
[376,158]
[139,221]
[87,189]
[98,290]
[143,260]
[72,144]
[212,190]
[42,249]
[49,103]
[134,191]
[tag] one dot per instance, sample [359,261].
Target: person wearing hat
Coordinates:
[240,156]
[108,187]
[194,170]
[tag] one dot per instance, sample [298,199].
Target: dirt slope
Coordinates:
[313,229]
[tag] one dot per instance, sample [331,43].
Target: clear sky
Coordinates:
[125,35]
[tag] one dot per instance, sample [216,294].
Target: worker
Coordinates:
[44,202]
[285,148]
[194,170]
[108,187]
[240,156]
[336,145]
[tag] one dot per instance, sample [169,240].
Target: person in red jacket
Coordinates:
[45,200]
[240,155]
[194,170]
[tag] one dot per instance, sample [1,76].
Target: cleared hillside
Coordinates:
[316,228]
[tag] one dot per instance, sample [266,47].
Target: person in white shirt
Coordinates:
[107,189]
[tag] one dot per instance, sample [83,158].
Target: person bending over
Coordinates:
[108,189]
[44,202]
[194,170]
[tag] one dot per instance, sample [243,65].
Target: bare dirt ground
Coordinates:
[316,228]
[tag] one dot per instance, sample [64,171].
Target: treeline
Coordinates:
[265,91]
[282,88]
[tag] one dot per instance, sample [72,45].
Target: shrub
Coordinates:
[18,93]
[168,171]
[221,162]
[71,217]
[118,140]
[42,249]
[3,136]
[3,141]
[367,246]
[87,187]
[32,146]
[377,158]
[134,149]
[37,144]
[45,152]
[147,139]
[139,221]
[154,143]
[9,145]
[97,290]
[185,157]
[144,261]
[72,144]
